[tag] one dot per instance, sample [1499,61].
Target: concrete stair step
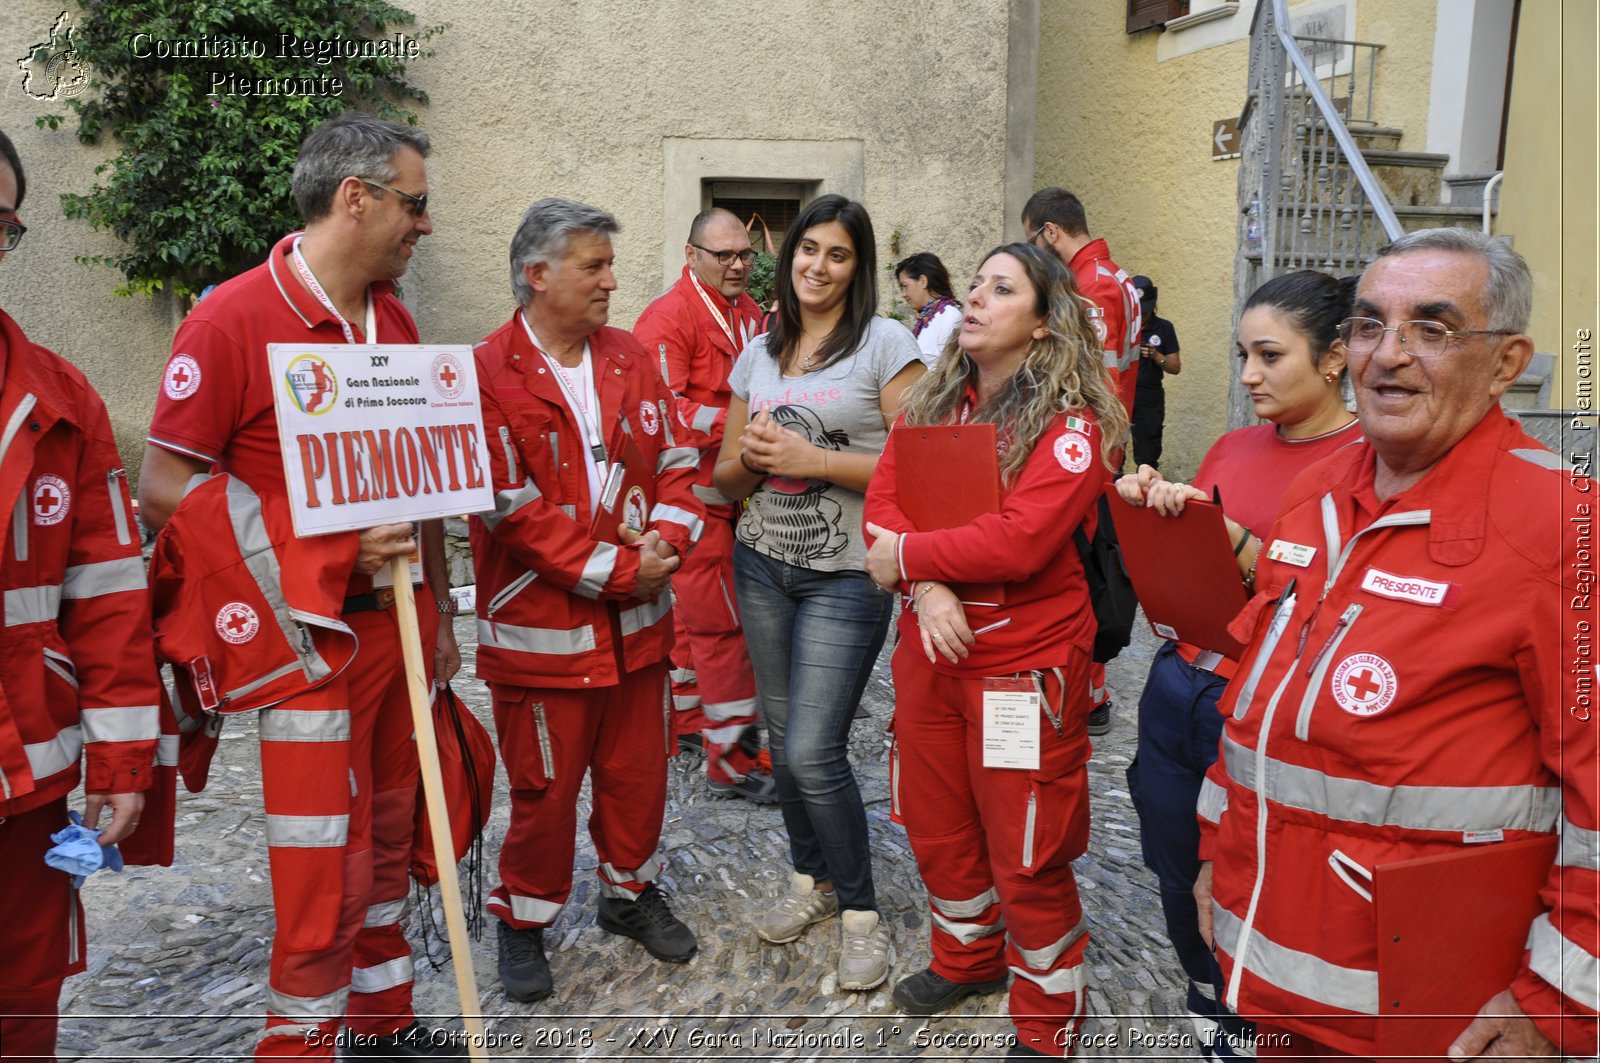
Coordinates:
[1410,178]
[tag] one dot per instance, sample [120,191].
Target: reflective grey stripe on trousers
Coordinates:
[396,972]
[1041,959]
[1435,808]
[970,908]
[305,725]
[1301,973]
[967,933]
[308,1009]
[307,832]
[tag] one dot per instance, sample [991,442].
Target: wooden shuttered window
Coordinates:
[1143,14]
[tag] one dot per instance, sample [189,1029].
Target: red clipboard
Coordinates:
[1183,571]
[626,495]
[947,476]
[1451,933]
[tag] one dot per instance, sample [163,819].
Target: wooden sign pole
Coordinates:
[444,847]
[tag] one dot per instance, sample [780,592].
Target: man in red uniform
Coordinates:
[696,330]
[77,670]
[594,506]
[1409,690]
[339,763]
[1055,220]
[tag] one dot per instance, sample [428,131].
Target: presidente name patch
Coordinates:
[1405,588]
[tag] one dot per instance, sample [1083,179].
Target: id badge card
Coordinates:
[1010,723]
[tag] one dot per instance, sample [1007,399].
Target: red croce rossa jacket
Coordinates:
[551,599]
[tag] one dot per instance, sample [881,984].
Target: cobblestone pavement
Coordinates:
[178,956]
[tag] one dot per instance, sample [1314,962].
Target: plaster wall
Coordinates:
[1548,198]
[534,98]
[1132,137]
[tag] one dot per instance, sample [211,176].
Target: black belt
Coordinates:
[381,598]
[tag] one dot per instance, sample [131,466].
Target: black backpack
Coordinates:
[1110,589]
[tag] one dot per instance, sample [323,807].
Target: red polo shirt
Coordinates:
[216,393]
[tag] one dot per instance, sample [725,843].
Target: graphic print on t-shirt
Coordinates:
[799,521]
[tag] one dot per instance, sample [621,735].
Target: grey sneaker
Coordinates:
[803,905]
[864,955]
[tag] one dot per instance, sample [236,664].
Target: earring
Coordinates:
[1330,377]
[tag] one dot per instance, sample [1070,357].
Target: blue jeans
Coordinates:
[1179,728]
[813,638]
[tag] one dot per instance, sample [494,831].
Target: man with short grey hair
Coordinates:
[338,760]
[696,330]
[594,508]
[1409,691]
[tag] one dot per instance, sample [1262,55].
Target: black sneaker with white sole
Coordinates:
[649,921]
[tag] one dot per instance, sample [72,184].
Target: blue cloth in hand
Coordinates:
[79,853]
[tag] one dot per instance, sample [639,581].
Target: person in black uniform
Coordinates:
[1158,356]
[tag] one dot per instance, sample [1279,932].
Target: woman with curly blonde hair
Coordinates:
[992,700]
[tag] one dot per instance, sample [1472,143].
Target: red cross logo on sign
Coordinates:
[51,500]
[448,379]
[183,377]
[1073,451]
[237,623]
[1364,684]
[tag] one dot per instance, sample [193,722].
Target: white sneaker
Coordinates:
[864,954]
[803,905]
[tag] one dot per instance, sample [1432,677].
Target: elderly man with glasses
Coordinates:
[339,764]
[696,330]
[1408,691]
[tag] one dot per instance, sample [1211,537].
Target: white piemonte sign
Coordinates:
[378,433]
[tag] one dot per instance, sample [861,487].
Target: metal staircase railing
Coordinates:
[1307,198]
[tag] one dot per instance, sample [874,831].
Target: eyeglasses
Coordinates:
[725,258]
[11,234]
[1034,239]
[1421,339]
[419,204]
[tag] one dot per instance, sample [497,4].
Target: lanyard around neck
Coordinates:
[589,423]
[716,315]
[370,331]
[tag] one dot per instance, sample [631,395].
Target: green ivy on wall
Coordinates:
[208,103]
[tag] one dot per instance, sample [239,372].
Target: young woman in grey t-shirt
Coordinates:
[823,386]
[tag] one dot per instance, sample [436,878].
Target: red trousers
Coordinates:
[995,845]
[549,738]
[43,932]
[339,772]
[713,686]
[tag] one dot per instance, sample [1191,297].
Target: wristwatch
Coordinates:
[446,606]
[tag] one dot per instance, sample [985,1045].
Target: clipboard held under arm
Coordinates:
[947,476]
